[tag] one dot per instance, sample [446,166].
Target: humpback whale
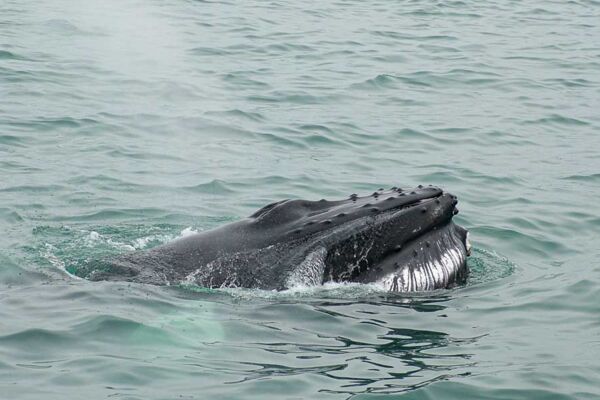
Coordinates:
[403,240]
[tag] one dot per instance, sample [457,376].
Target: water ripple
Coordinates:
[127,124]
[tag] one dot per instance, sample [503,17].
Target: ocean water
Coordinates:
[125,124]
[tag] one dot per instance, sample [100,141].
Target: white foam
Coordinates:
[188,232]
[56,262]
[337,290]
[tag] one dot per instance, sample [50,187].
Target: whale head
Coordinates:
[403,239]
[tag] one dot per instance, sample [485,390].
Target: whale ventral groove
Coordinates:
[401,239]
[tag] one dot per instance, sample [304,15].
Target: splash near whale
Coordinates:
[403,240]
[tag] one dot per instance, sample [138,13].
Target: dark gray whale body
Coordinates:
[404,240]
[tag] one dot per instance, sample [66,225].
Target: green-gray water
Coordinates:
[125,124]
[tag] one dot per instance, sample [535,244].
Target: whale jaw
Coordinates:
[438,260]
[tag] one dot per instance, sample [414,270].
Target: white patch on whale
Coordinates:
[431,273]
[310,271]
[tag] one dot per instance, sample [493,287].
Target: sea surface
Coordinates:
[125,124]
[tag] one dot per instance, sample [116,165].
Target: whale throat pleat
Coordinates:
[437,267]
